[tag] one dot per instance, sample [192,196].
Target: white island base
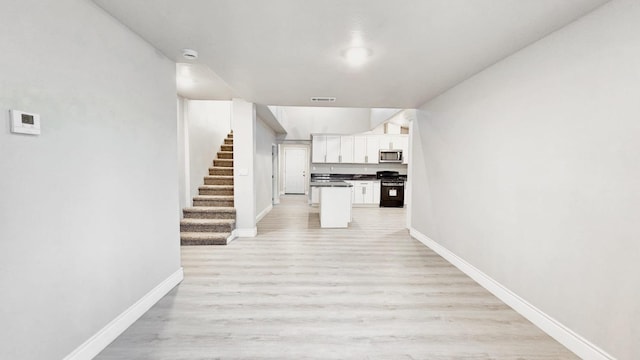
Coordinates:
[335,206]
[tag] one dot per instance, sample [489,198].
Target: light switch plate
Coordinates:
[25,123]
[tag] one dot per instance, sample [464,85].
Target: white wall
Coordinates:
[243,120]
[184,177]
[380,115]
[529,172]
[88,209]
[207,125]
[265,138]
[301,122]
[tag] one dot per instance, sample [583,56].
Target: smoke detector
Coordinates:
[189,54]
[323,99]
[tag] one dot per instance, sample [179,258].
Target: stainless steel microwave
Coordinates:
[390,156]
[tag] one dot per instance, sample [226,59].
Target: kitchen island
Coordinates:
[335,203]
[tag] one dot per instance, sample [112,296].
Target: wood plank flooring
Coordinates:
[300,292]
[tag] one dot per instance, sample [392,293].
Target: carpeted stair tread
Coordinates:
[213,197]
[225,154]
[225,187]
[215,190]
[218,170]
[226,163]
[218,180]
[213,200]
[212,177]
[203,238]
[207,209]
[207,225]
[206,221]
[227,212]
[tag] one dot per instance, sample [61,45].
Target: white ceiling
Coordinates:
[282,52]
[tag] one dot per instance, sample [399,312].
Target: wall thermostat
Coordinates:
[25,123]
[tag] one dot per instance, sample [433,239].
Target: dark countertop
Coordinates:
[329,183]
[356,177]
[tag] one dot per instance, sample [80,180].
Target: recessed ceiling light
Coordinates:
[189,54]
[357,56]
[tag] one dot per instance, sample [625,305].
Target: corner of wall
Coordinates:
[574,342]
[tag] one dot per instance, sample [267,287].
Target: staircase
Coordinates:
[212,218]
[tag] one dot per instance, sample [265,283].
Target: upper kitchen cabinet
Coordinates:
[325,149]
[396,142]
[356,149]
[365,149]
[333,149]
[346,149]
[318,148]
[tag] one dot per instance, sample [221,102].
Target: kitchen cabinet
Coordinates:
[318,148]
[376,192]
[335,206]
[373,149]
[365,192]
[385,142]
[325,149]
[356,149]
[360,149]
[333,149]
[315,195]
[365,149]
[402,142]
[396,142]
[346,149]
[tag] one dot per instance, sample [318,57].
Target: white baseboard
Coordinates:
[250,232]
[98,342]
[567,337]
[264,212]
[233,236]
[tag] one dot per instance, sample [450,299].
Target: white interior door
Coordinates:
[294,170]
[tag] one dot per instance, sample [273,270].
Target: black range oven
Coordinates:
[391,189]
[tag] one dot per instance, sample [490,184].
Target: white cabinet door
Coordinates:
[368,192]
[360,149]
[376,192]
[385,142]
[315,195]
[353,198]
[346,149]
[373,149]
[404,145]
[358,193]
[333,149]
[398,142]
[363,192]
[318,148]
[401,142]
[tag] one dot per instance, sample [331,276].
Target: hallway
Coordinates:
[300,292]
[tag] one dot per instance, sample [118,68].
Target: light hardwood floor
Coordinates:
[300,292]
